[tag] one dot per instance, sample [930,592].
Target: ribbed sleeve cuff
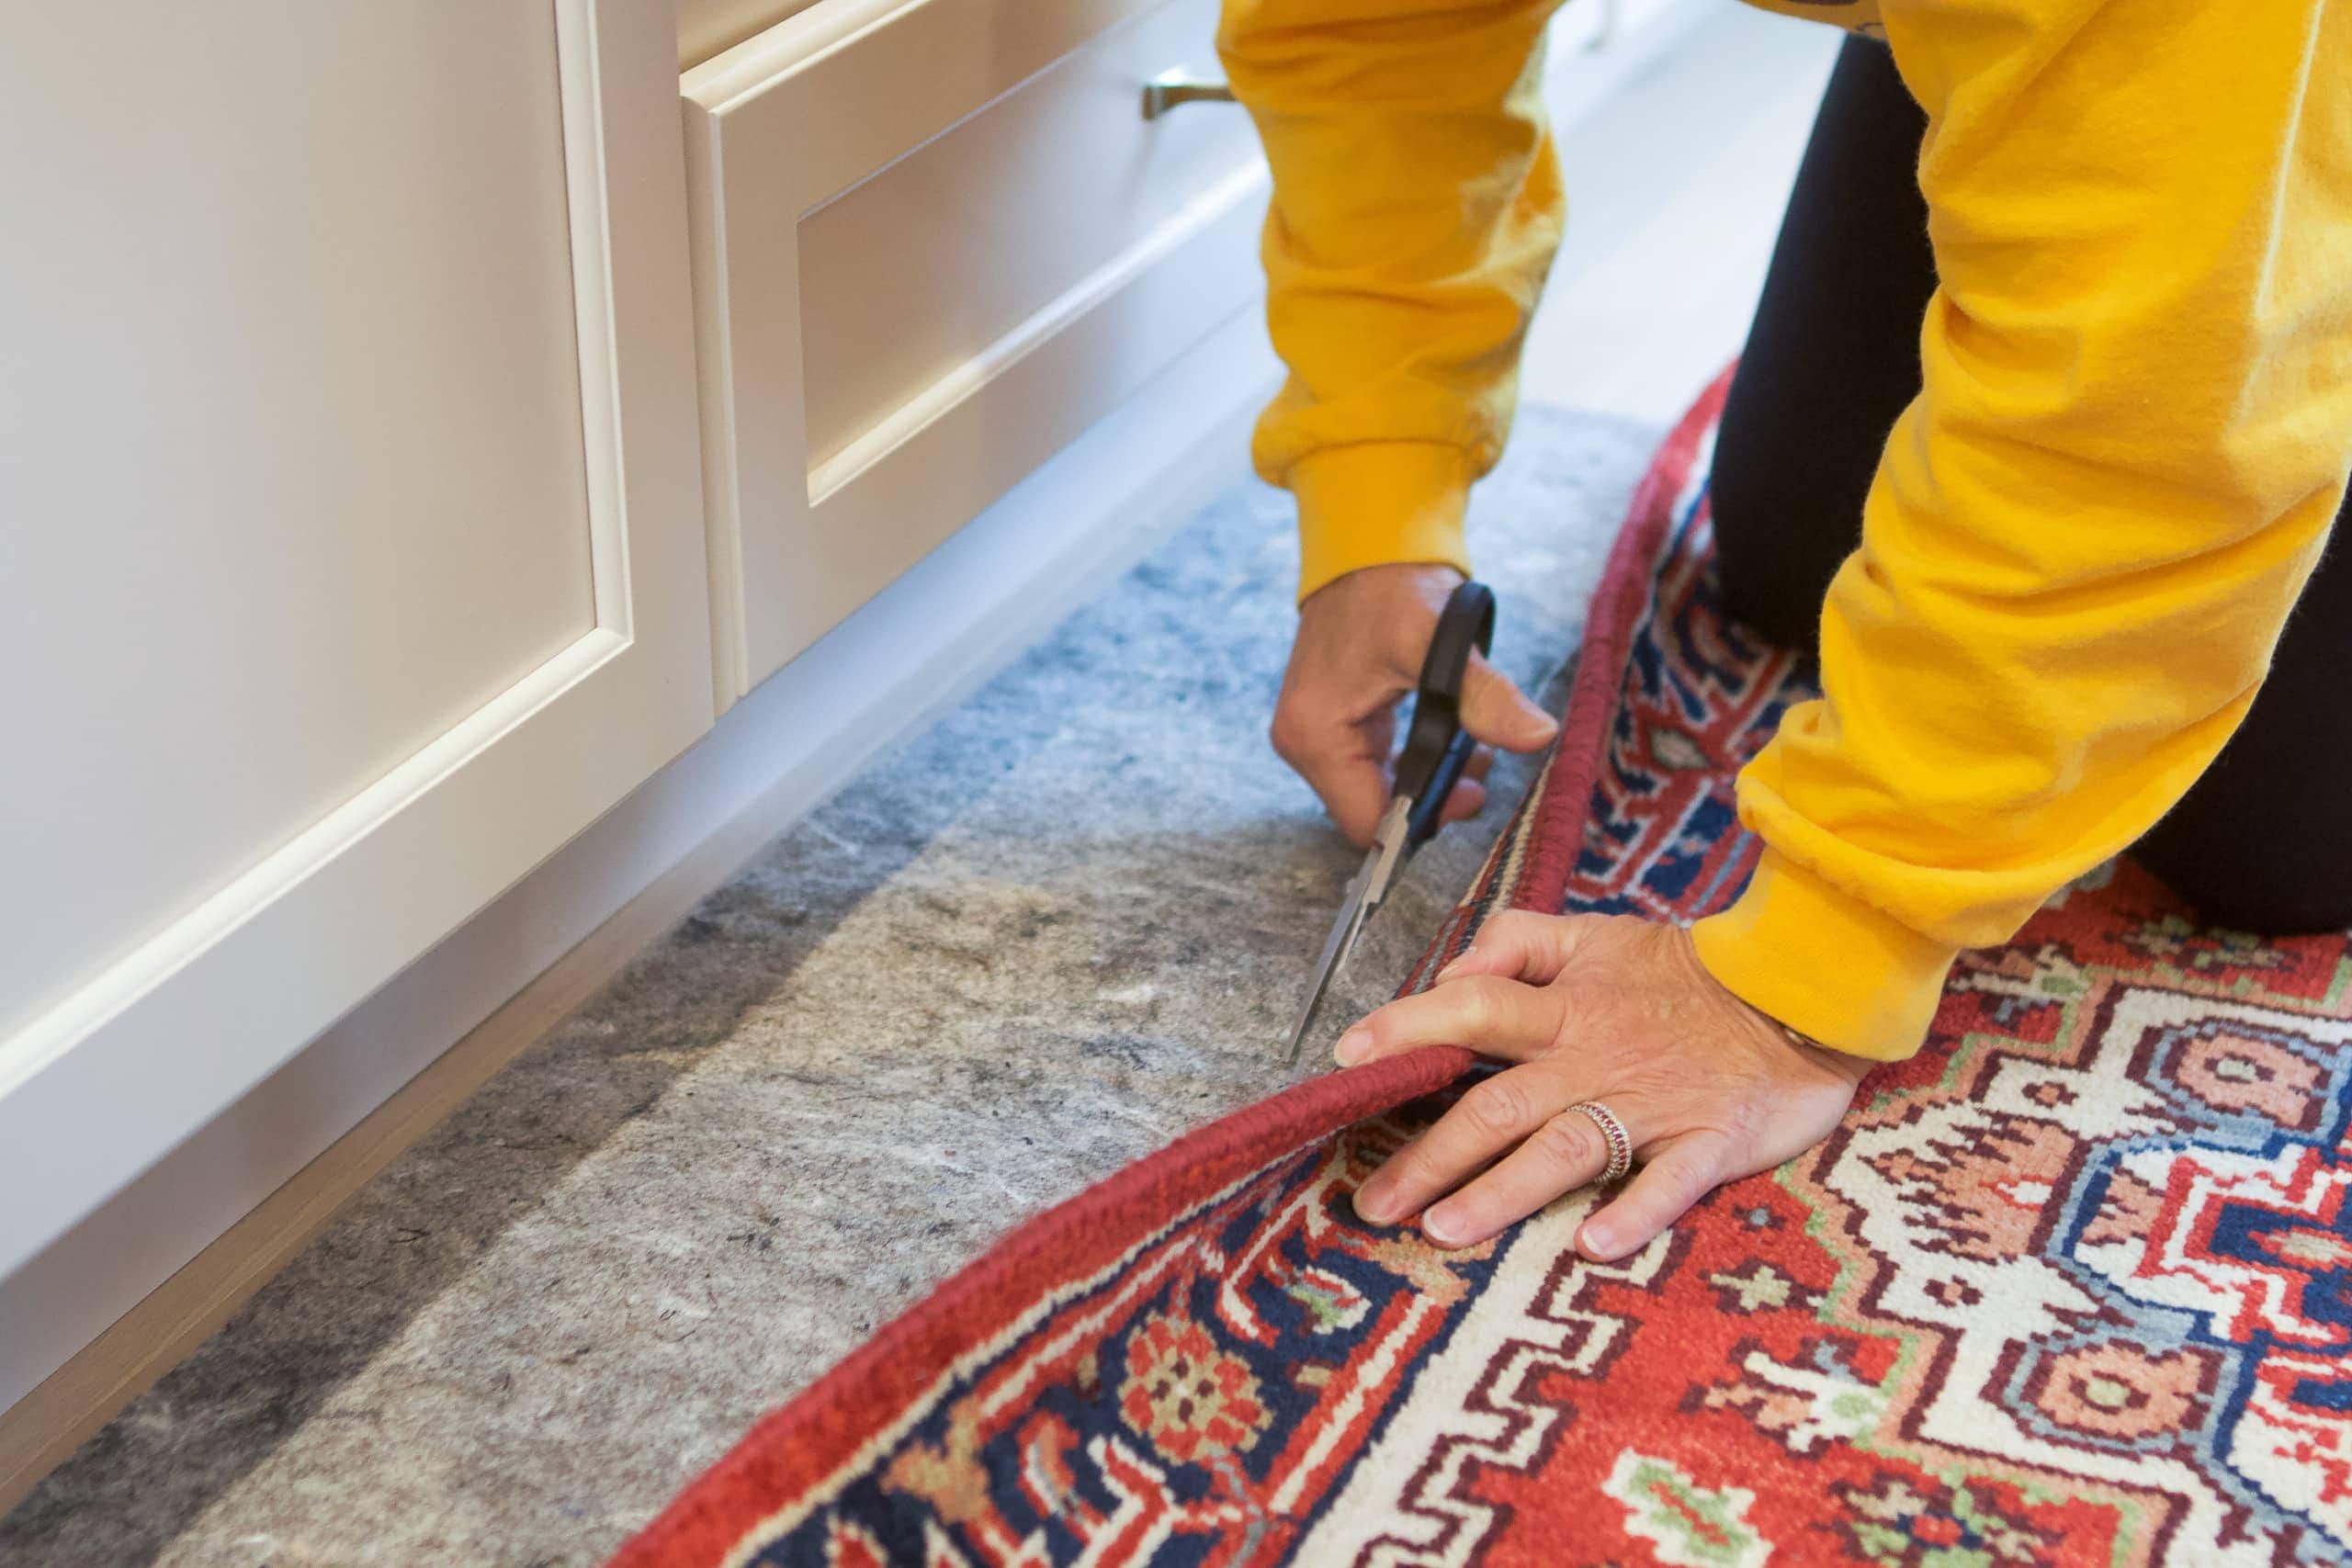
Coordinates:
[1376,503]
[1826,964]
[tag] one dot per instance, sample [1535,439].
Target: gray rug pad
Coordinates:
[1065,925]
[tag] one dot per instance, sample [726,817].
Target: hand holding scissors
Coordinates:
[1437,749]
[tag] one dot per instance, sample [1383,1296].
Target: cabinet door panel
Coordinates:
[935,240]
[328,602]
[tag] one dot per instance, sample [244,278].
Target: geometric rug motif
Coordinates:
[2074,1285]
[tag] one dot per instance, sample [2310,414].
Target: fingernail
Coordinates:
[1369,1209]
[1452,966]
[1445,1225]
[1351,1047]
[1599,1243]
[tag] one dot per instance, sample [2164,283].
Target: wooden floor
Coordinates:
[1675,191]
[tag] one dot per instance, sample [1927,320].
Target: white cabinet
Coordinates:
[935,240]
[706,27]
[351,540]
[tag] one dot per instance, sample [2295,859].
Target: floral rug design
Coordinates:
[2073,1286]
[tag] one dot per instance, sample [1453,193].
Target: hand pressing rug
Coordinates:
[2073,1286]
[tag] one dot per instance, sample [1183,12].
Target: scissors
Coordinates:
[1436,751]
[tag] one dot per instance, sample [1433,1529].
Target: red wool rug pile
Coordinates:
[2073,1286]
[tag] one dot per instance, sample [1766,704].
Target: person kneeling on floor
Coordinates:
[2039,431]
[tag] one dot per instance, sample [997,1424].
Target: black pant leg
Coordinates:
[1833,356]
[2262,842]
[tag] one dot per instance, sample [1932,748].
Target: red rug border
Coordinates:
[1556,836]
[796,1447]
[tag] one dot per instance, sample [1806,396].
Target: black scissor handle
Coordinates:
[1436,748]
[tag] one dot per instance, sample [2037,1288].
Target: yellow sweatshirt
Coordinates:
[2084,535]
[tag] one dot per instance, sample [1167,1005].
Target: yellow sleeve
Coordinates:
[2084,535]
[1417,207]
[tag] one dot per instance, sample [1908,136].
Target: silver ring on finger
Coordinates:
[1613,1133]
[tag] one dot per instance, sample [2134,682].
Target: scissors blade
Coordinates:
[1365,892]
[1336,948]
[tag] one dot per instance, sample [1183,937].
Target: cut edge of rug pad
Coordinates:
[1029,945]
[824,1428]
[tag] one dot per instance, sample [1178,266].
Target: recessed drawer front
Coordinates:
[934,241]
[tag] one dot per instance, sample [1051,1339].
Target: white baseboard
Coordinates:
[910,654]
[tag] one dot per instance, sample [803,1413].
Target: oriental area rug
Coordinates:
[2071,1286]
